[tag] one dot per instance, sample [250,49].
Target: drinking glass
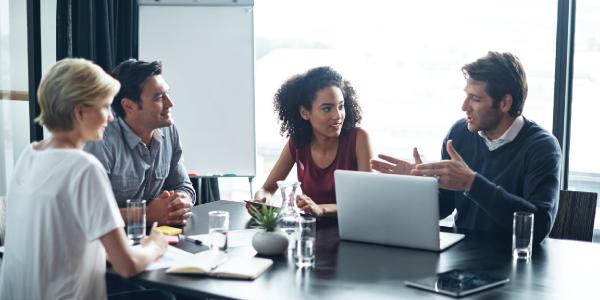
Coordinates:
[218,226]
[136,220]
[305,249]
[522,235]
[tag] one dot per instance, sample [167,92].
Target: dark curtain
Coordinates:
[104,31]
[206,188]
[209,190]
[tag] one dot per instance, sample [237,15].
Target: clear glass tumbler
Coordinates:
[522,235]
[218,226]
[136,220]
[307,237]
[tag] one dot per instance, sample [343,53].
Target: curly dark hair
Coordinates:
[301,90]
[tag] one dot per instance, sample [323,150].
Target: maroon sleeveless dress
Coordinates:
[317,183]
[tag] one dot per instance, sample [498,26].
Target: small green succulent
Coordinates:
[265,217]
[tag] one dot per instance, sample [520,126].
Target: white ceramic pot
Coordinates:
[270,243]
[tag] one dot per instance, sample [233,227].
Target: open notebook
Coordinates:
[222,265]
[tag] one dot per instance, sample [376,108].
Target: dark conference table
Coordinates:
[559,269]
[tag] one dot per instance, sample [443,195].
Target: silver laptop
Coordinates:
[389,209]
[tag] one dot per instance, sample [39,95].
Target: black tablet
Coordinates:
[458,282]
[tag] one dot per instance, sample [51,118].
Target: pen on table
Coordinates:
[189,239]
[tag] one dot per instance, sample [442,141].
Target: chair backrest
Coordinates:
[575,217]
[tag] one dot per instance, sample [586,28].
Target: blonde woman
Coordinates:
[61,211]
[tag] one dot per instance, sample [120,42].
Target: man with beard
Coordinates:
[495,161]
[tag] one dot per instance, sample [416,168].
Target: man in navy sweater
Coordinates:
[495,161]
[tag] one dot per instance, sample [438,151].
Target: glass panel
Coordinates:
[584,168]
[403,58]
[14,108]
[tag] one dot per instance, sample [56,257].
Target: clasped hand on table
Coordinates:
[170,208]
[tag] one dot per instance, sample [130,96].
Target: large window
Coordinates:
[404,59]
[14,80]
[584,165]
[14,108]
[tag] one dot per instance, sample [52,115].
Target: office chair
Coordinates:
[575,217]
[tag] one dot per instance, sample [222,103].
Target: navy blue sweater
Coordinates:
[522,175]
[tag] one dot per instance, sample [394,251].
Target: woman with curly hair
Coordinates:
[319,112]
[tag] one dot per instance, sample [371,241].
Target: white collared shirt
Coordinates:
[508,136]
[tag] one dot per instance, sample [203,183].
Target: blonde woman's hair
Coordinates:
[69,82]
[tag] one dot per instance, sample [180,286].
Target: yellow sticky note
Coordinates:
[168,230]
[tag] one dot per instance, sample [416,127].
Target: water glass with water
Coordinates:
[218,226]
[522,235]
[305,249]
[136,220]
